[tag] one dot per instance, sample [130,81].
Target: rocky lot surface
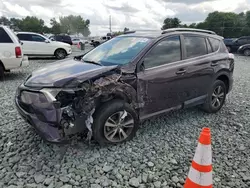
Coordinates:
[159,156]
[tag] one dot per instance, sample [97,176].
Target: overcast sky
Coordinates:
[134,14]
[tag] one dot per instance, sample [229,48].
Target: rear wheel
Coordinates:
[60,54]
[216,97]
[115,122]
[247,52]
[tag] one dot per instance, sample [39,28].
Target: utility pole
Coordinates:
[110,24]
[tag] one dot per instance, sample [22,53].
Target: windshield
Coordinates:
[118,51]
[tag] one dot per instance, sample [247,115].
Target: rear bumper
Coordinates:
[25,61]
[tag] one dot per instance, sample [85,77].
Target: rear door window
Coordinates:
[24,37]
[4,37]
[195,46]
[215,44]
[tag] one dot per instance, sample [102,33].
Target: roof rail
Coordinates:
[142,30]
[128,32]
[188,29]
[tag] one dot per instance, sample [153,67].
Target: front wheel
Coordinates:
[247,52]
[115,122]
[216,97]
[60,54]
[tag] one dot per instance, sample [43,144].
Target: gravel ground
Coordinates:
[159,156]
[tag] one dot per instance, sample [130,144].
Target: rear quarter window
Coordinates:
[215,44]
[4,37]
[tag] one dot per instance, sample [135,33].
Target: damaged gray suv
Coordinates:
[129,78]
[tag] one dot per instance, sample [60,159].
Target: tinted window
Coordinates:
[37,38]
[24,37]
[166,51]
[195,46]
[58,38]
[215,44]
[209,48]
[4,37]
[67,38]
[243,41]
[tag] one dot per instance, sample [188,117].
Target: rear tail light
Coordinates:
[18,52]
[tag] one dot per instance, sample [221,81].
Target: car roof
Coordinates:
[159,34]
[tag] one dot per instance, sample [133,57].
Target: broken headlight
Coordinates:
[36,99]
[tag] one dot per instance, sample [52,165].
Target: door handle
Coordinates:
[181,71]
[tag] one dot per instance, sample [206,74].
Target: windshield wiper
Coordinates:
[92,62]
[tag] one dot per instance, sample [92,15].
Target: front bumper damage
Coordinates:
[69,111]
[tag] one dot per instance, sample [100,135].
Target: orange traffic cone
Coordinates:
[200,173]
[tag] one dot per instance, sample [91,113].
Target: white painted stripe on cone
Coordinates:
[200,178]
[203,154]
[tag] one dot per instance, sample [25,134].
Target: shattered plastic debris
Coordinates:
[89,121]
[103,81]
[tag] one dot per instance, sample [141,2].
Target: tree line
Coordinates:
[226,24]
[68,24]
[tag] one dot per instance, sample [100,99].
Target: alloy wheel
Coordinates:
[60,54]
[118,126]
[218,97]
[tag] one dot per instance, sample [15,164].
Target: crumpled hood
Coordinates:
[63,72]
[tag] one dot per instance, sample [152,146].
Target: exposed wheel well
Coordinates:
[224,79]
[107,98]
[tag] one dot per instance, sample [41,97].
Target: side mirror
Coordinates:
[46,41]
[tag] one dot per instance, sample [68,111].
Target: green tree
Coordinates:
[55,26]
[74,24]
[171,23]
[5,21]
[31,23]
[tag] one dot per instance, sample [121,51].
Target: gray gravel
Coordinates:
[159,156]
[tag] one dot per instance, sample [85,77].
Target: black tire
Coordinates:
[246,52]
[60,53]
[105,112]
[208,105]
[1,72]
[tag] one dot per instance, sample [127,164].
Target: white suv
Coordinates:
[35,44]
[11,54]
